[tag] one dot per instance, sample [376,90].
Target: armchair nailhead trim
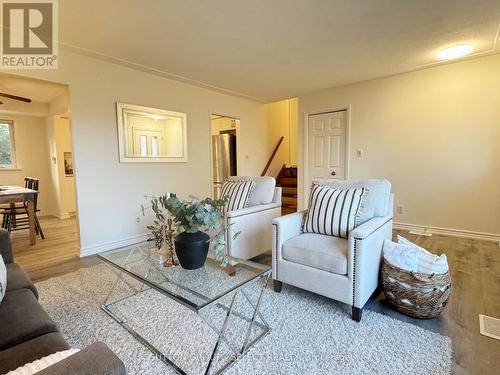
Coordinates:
[276,255]
[354,272]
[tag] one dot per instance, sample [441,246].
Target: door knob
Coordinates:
[333,173]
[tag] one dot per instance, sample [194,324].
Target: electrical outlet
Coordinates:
[359,153]
[138,219]
[401,209]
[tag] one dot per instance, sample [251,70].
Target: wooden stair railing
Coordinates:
[264,171]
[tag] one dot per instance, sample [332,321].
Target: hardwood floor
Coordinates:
[474,265]
[56,255]
[475,273]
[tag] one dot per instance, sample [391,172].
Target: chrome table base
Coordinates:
[229,312]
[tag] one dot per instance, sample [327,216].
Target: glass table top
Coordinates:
[192,288]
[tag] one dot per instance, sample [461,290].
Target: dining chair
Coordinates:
[16,217]
[9,206]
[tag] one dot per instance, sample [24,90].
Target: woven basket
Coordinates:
[414,294]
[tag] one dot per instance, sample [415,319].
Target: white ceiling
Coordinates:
[274,49]
[36,90]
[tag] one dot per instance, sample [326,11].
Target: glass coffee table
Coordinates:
[210,287]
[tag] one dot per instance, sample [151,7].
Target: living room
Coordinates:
[409,111]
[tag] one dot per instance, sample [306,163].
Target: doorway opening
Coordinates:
[40,140]
[224,135]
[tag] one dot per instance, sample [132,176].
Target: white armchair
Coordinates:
[346,270]
[254,221]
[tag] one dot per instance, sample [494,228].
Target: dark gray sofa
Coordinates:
[27,333]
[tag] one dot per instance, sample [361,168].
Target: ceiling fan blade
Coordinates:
[15,97]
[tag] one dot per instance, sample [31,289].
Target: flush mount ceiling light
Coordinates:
[455,52]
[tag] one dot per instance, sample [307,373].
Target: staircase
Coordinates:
[287,180]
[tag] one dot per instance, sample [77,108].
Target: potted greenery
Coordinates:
[192,220]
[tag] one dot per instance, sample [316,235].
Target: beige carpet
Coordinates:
[310,334]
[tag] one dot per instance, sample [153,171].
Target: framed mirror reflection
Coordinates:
[148,134]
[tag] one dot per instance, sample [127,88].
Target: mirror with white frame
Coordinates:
[150,134]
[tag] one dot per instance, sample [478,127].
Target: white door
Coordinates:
[326,155]
[148,142]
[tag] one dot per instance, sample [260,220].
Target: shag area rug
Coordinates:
[310,334]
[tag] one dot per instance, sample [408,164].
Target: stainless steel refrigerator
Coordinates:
[223,159]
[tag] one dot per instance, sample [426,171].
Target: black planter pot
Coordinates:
[191,249]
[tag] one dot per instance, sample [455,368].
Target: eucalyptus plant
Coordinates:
[190,216]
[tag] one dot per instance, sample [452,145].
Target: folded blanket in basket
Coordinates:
[411,257]
[427,262]
[401,256]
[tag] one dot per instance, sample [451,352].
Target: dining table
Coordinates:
[16,194]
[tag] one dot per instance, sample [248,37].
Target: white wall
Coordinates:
[294,130]
[62,137]
[33,158]
[62,196]
[435,134]
[109,193]
[282,122]
[15,107]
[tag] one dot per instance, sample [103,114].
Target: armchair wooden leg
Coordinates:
[277,285]
[356,314]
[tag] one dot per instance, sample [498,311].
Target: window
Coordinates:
[7,151]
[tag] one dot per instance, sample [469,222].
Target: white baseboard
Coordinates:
[428,230]
[112,245]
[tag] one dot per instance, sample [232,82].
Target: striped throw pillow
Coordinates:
[237,193]
[333,211]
